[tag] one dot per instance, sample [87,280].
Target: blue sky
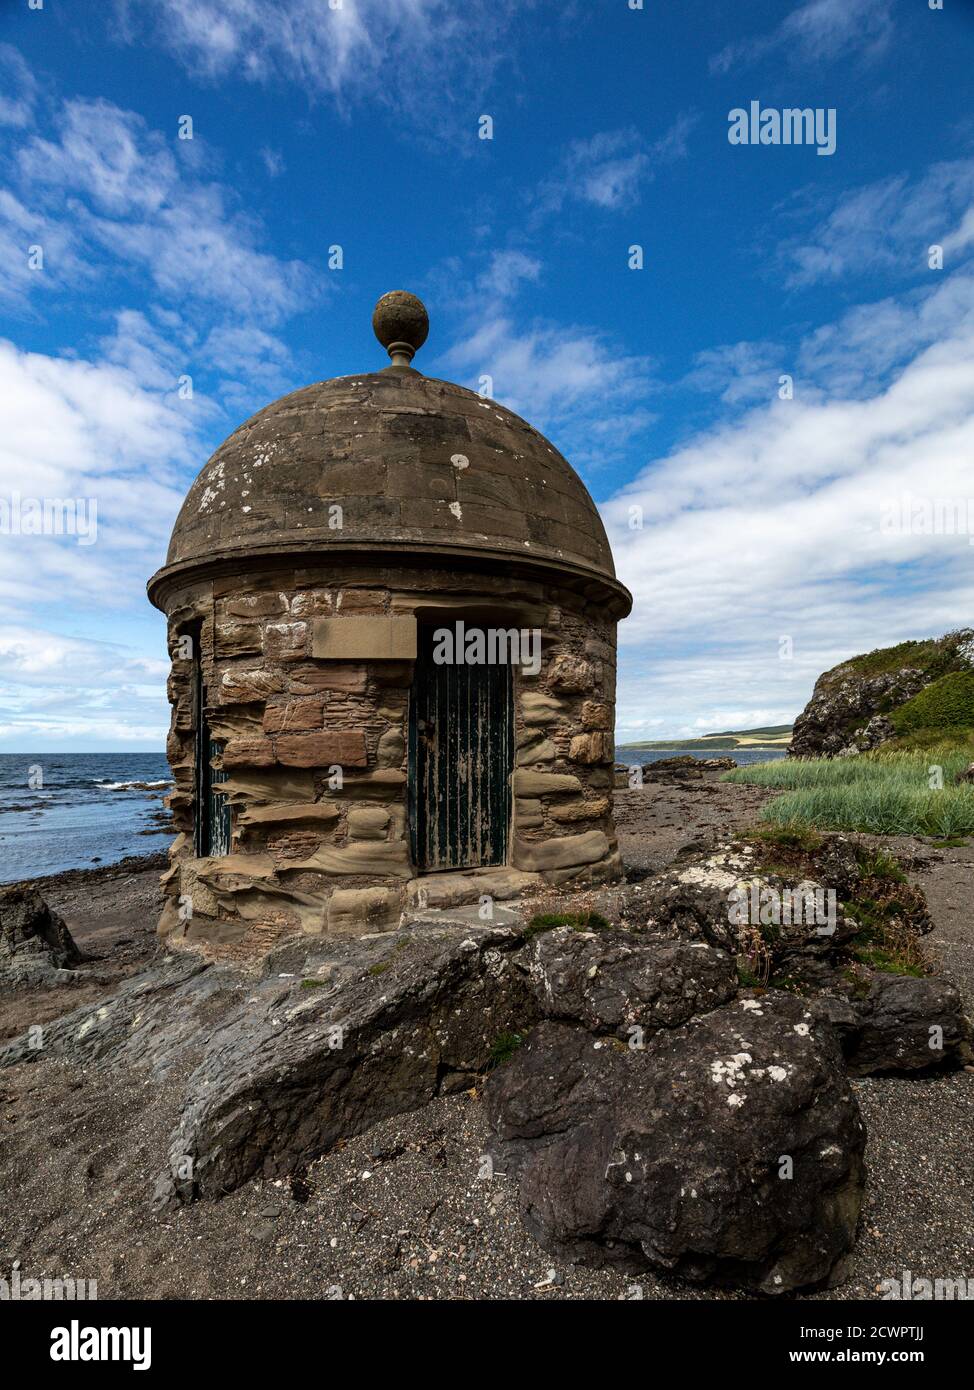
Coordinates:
[762,550]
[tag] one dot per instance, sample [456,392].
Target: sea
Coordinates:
[80,810]
[742,756]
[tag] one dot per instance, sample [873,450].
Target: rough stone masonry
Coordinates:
[315,543]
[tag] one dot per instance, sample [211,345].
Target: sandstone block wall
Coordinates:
[315,749]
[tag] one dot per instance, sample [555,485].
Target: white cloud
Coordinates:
[609,169]
[131,201]
[19,92]
[888,226]
[55,689]
[403,52]
[91,430]
[505,273]
[22,272]
[772,526]
[817,31]
[569,376]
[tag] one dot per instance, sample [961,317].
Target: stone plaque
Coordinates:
[364,639]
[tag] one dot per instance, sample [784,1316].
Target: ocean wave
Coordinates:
[132,786]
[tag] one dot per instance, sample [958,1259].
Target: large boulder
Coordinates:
[903,1024]
[729,1148]
[613,981]
[35,944]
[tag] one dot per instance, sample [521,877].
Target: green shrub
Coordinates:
[945,704]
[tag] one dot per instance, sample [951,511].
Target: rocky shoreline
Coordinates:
[401,1209]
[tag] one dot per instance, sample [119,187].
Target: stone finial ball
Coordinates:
[400,317]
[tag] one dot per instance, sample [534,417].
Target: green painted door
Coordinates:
[213,814]
[461,740]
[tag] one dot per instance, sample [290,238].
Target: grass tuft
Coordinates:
[911,792]
[578,921]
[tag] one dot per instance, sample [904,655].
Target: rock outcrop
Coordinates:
[334,1037]
[35,944]
[851,704]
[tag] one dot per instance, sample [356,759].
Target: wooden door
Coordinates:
[461,739]
[213,815]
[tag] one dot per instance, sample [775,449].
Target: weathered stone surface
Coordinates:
[461,889]
[385,784]
[571,674]
[362,600]
[307,680]
[282,784]
[385,860]
[233,638]
[591,748]
[368,823]
[232,873]
[561,852]
[906,1024]
[239,686]
[357,910]
[596,714]
[541,750]
[612,981]
[527,782]
[262,605]
[286,641]
[579,810]
[248,752]
[672,1156]
[697,901]
[331,747]
[275,1071]
[540,709]
[527,812]
[391,749]
[293,716]
[312,813]
[35,944]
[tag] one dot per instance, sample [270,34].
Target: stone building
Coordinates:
[392,620]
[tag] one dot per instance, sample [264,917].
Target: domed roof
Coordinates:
[390,463]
